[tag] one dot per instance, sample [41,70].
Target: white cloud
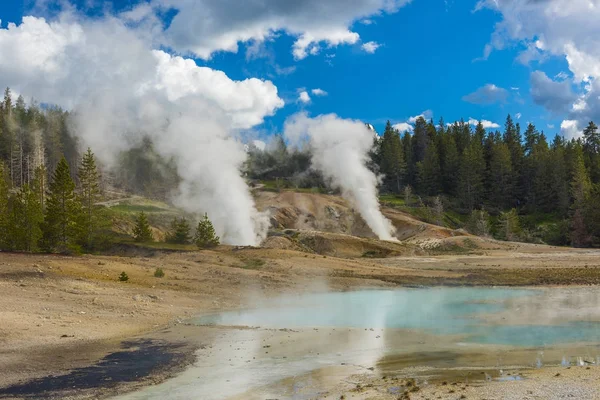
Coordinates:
[427,115]
[486,124]
[319,92]
[567,29]
[518,115]
[370,47]
[403,127]
[61,62]
[488,94]
[550,126]
[203,27]
[304,97]
[570,130]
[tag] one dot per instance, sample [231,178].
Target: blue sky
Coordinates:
[430,58]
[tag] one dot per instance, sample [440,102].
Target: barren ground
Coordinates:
[70,315]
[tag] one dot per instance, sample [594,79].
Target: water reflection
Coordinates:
[297,346]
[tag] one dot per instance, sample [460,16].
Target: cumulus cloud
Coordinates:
[427,115]
[408,125]
[303,97]
[403,127]
[518,115]
[203,27]
[370,47]
[488,94]
[121,90]
[566,29]
[319,92]
[570,130]
[557,97]
[486,124]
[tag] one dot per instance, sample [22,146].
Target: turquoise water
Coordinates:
[441,311]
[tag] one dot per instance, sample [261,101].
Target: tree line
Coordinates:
[492,175]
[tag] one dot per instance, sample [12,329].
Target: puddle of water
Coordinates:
[441,311]
[302,345]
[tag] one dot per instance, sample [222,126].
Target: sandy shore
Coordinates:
[70,316]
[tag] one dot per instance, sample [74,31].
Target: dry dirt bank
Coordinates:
[64,313]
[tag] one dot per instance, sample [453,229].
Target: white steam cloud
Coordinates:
[340,151]
[121,90]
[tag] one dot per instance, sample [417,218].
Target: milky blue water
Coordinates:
[442,311]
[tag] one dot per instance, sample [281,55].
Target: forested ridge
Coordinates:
[513,184]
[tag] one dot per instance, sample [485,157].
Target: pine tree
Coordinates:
[60,229]
[479,223]
[4,209]
[392,158]
[509,227]
[501,176]
[580,181]
[450,164]
[430,173]
[92,216]
[26,218]
[142,231]
[180,231]
[205,234]
[471,171]
[591,148]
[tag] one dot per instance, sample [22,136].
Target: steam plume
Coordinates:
[121,90]
[340,149]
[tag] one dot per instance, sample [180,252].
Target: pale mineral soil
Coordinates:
[64,315]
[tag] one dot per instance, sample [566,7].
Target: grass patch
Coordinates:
[251,264]
[448,248]
[137,208]
[159,273]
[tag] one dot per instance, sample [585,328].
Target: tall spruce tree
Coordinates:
[60,229]
[429,172]
[26,218]
[470,184]
[4,209]
[392,159]
[89,195]
[591,148]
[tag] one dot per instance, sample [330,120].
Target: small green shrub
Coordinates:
[123,277]
[159,273]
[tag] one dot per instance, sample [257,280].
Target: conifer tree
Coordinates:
[430,173]
[509,227]
[501,176]
[205,234]
[92,216]
[26,218]
[142,231]
[392,158]
[471,171]
[60,229]
[180,231]
[479,223]
[4,209]
[450,164]
[580,181]
[591,148]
